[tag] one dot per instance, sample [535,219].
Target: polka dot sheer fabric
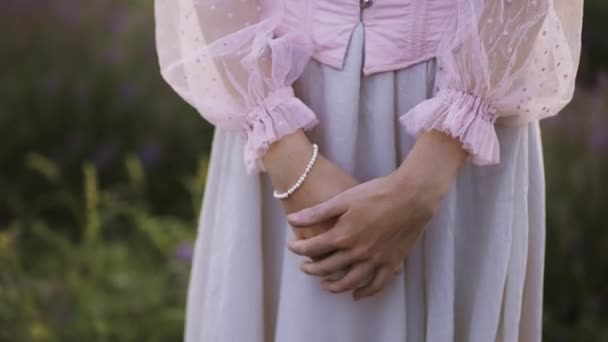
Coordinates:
[223,57]
[505,62]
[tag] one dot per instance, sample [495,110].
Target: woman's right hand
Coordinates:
[324,181]
[285,162]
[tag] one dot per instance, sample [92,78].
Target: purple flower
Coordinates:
[597,128]
[118,21]
[598,139]
[184,251]
[18,7]
[112,55]
[69,12]
[105,154]
[128,91]
[50,84]
[150,154]
[67,317]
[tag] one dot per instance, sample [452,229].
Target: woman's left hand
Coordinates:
[378,224]
[378,221]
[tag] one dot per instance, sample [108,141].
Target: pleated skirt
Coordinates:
[475,275]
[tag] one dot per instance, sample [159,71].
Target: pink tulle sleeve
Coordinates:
[505,62]
[225,59]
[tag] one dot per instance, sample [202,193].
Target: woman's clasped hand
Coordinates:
[377,224]
[370,228]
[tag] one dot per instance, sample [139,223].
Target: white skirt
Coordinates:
[476,275]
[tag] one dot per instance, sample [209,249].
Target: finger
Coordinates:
[319,213]
[356,276]
[375,286]
[399,269]
[315,246]
[329,265]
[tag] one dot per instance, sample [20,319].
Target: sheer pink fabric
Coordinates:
[508,60]
[224,59]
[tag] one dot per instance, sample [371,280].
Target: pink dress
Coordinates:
[363,78]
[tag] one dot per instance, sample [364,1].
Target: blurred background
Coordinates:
[102,169]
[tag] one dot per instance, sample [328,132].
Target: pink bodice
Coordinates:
[398,33]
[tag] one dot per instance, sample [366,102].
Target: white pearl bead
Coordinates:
[300,181]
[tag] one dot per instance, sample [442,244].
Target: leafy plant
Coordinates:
[122,278]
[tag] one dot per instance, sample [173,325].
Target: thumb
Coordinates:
[322,212]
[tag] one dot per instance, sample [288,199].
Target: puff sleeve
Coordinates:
[507,62]
[226,60]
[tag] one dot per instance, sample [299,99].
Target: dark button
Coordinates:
[366,3]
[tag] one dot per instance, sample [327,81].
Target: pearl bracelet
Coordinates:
[311,162]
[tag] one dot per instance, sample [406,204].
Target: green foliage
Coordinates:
[102,170]
[122,278]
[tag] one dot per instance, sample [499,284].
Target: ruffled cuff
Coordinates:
[462,116]
[277,115]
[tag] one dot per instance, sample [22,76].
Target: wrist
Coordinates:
[432,165]
[286,160]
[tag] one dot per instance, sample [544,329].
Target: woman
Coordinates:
[425,201]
